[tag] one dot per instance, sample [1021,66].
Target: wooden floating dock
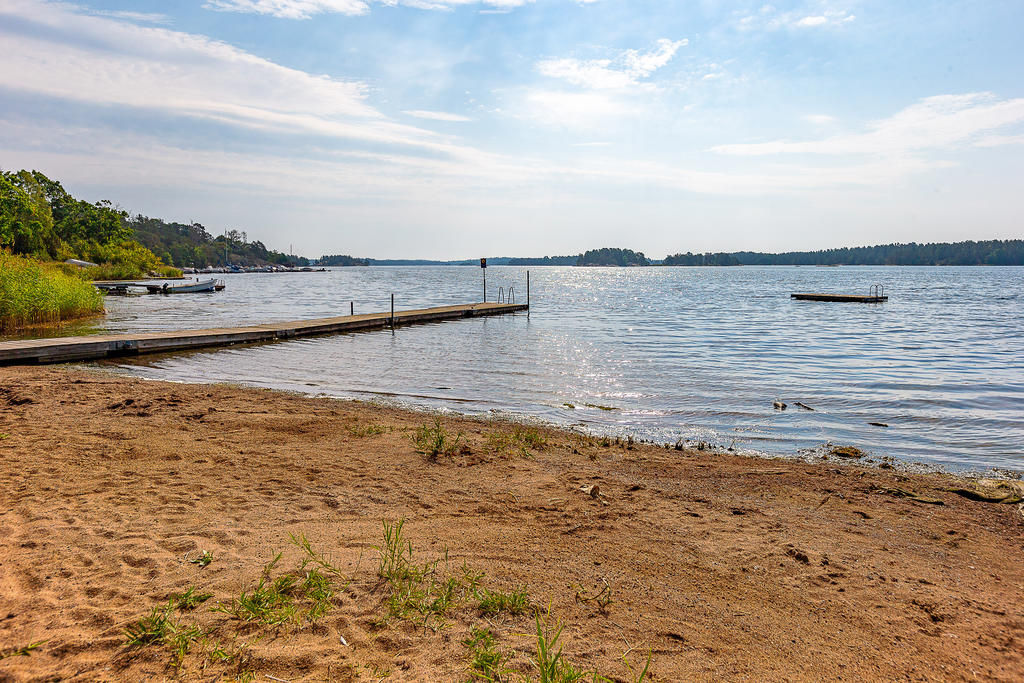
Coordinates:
[92,347]
[845,298]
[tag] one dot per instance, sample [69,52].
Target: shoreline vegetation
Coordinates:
[193,532]
[33,293]
[43,228]
[968,253]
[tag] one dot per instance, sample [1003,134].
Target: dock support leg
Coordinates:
[392,310]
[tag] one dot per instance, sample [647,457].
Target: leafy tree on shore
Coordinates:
[38,218]
[191,245]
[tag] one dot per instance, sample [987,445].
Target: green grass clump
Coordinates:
[494,602]
[434,439]
[552,666]
[486,662]
[21,651]
[371,429]
[32,293]
[160,627]
[203,560]
[520,439]
[414,590]
[303,595]
[190,599]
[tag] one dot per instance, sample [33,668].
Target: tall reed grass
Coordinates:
[32,293]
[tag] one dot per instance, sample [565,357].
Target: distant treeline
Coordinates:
[709,259]
[612,257]
[544,261]
[190,245]
[341,260]
[970,253]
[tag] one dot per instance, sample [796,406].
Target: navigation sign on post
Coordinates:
[483,263]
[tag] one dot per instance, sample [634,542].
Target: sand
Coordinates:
[718,566]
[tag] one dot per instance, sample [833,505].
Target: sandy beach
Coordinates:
[717,567]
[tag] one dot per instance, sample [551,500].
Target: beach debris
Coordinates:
[599,406]
[778,405]
[343,641]
[803,405]
[878,424]
[904,493]
[275,678]
[993,491]
[601,598]
[593,490]
[847,452]
[570,406]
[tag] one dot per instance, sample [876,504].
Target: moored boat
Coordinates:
[198,286]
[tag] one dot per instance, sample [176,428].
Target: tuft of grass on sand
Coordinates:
[552,666]
[203,560]
[33,293]
[370,429]
[302,595]
[434,440]
[495,602]
[519,439]
[190,599]
[414,590]
[21,651]
[486,662]
[160,628]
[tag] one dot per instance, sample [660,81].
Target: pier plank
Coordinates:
[91,347]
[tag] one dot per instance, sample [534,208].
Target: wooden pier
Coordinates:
[92,347]
[845,298]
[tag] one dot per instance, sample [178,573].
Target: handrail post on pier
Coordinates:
[392,310]
[351,307]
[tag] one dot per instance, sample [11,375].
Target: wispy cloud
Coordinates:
[436,115]
[304,9]
[102,61]
[939,122]
[627,68]
[142,17]
[770,18]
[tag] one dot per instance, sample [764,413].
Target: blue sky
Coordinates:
[457,128]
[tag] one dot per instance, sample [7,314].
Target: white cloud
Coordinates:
[143,17]
[304,9]
[573,110]
[102,61]
[819,119]
[770,18]
[626,69]
[436,115]
[939,122]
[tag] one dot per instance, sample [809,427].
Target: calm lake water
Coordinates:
[692,353]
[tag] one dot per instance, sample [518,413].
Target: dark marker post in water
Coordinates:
[483,268]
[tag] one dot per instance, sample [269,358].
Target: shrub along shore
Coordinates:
[33,293]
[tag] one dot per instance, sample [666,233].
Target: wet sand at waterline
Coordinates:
[721,567]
